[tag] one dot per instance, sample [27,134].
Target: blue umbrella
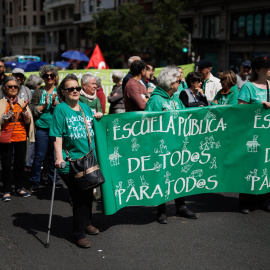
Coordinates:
[32,65]
[76,55]
[61,64]
[13,64]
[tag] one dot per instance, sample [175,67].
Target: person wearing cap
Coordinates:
[255,92]
[211,85]
[244,74]
[24,92]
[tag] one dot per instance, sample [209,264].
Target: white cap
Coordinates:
[18,70]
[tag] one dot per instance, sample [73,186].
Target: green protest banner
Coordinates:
[151,158]
[106,76]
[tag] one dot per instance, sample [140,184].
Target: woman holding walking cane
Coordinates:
[71,140]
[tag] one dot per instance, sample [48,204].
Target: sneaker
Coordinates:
[34,188]
[22,193]
[90,229]
[96,197]
[83,243]
[6,197]
[186,213]
[162,219]
[245,211]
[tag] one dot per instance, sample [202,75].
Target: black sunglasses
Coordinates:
[71,89]
[49,75]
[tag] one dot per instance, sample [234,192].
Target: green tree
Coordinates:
[128,31]
[119,33]
[168,32]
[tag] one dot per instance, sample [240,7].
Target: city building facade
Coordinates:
[228,32]
[25,27]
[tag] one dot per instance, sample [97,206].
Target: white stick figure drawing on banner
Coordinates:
[214,163]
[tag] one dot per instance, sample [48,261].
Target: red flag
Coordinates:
[97,60]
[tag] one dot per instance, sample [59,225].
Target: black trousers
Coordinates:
[178,203]
[82,205]
[8,151]
[251,201]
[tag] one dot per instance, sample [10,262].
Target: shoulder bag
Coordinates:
[86,169]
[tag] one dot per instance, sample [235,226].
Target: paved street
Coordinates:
[221,238]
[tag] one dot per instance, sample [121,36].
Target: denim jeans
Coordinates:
[43,144]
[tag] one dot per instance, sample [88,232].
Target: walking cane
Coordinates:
[63,165]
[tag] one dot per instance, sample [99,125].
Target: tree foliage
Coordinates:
[128,31]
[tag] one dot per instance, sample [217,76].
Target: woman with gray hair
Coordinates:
[116,97]
[42,106]
[88,94]
[163,99]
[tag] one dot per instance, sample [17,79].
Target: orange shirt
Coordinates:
[19,132]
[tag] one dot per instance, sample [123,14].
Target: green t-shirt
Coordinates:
[69,125]
[227,99]
[45,119]
[252,94]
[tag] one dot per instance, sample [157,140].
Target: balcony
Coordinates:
[52,4]
[24,29]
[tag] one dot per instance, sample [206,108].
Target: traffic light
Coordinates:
[185,49]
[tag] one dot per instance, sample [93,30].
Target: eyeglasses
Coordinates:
[71,89]
[12,86]
[49,75]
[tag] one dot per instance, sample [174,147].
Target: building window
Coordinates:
[63,14]
[40,39]
[24,20]
[49,17]
[91,6]
[55,15]
[70,13]
[10,22]
[35,5]
[54,37]
[49,40]
[24,5]
[83,7]
[10,8]
[211,27]
[42,20]
[250,25]
[41,5]
[34,20]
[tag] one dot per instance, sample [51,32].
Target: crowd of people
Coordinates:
[58,121]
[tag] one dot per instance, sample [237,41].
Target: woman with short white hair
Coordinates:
[116,97]
[163,99]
